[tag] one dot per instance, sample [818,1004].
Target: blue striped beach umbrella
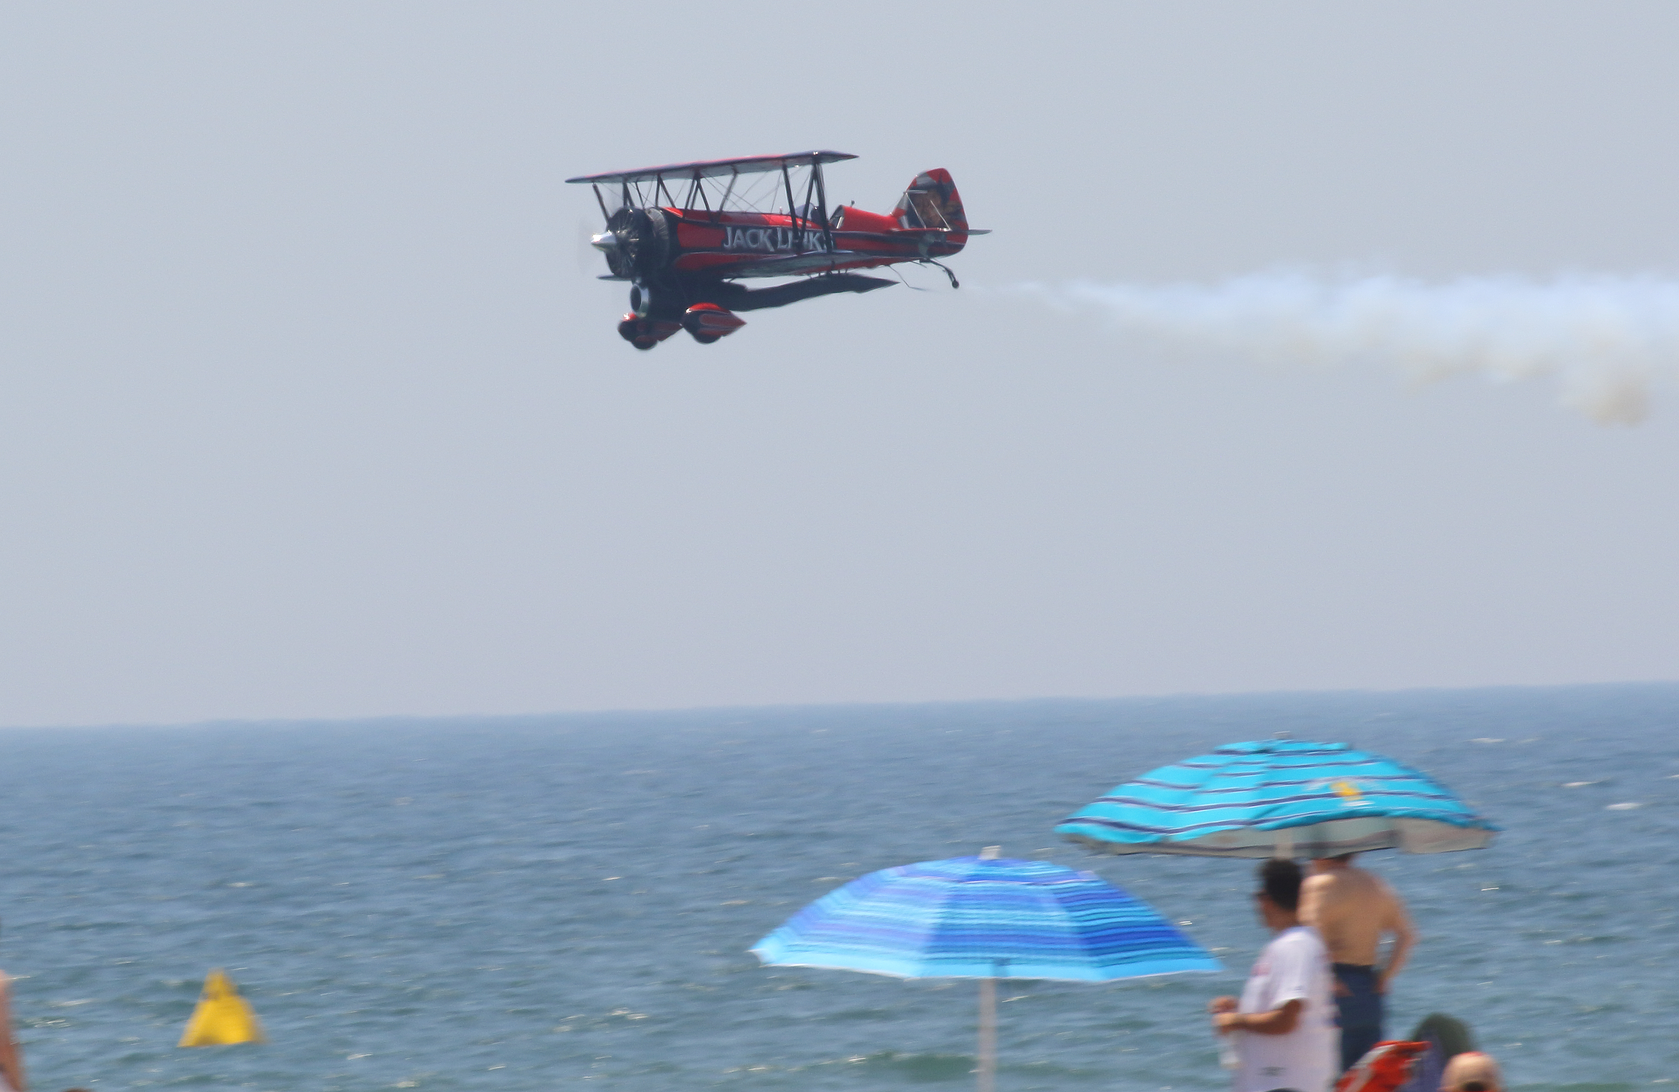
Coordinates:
[1279,797]
[988,918]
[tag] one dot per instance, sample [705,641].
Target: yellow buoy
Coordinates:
[222,1016]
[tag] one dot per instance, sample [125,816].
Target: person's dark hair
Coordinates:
[1279,878]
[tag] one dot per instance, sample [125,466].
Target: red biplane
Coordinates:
[742,218]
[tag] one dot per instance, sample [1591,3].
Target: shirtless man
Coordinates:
[1352,910]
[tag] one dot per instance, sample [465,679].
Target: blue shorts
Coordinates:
[1361,1011]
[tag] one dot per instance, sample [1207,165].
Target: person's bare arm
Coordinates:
[1404,939]
[1311,900]
[1276,1022]
[11,1060]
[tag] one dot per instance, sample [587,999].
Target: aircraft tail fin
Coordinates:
[932,202]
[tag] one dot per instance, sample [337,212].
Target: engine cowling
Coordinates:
[636,242]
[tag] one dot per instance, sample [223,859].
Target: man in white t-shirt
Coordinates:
[1284,1024]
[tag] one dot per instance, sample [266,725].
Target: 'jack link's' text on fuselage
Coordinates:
[771,239]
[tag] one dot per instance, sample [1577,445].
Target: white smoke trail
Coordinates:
[1605,340]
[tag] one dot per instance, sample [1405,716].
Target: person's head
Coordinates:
[1471,1071]
[1279,892]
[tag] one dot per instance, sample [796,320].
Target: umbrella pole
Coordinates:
[987,1035]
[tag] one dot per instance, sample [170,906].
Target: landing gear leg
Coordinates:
[638,332]
[954,283]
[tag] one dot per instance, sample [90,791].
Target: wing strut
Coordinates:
[822,204]
[810,192]
[792,213]
[733,178]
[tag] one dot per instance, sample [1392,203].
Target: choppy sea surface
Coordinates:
[538,902]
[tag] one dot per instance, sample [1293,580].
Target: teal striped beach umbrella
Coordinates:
[988,918]
[1279,797]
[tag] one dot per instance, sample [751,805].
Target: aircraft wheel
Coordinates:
[644,341]
[707,339]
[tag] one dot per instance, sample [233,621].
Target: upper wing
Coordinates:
[714,168]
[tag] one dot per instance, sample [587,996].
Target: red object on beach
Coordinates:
[1385,1067]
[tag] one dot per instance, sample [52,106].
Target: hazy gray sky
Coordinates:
[310,404]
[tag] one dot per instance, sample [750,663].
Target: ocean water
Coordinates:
[535,903]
